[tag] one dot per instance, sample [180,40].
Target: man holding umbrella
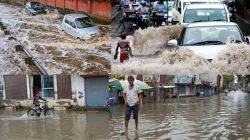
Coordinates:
[132,96]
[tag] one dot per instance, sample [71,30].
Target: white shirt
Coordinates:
[132,95]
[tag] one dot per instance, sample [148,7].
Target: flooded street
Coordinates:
[152,55]
[56,51]
[67,125]
[215,117]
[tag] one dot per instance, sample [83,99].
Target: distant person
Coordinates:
[132,98]
[125,49]
[37,98]
[142,7]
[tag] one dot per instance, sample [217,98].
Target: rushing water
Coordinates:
[215,117]
[16,125]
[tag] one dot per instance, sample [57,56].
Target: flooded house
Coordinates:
[60,90]
[196,85]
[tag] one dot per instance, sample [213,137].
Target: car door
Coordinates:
[74,29]
[68,23]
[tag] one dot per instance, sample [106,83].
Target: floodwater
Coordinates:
[55,50]
[68,125]
[152,55]
[215,117]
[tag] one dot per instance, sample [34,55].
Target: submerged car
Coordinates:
[79,26]
[34,8]
[207,39]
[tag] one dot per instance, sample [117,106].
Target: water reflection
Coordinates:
[216,117]
[67,125]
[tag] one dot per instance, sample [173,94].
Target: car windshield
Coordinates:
[196,2]
[84,22]
[36,5]
[199,15]
[211,35]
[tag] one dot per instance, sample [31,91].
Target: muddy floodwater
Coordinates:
[56,51]
[215,117]
[15,125]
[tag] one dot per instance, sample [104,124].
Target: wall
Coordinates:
[99,9]
[77,85]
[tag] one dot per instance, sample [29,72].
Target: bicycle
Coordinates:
[36,111]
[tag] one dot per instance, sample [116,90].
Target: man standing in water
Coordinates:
[132,97]
[125,49]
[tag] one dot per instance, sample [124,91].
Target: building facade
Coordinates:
[59,90]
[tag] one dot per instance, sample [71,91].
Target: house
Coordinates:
[200,84]
[59,90]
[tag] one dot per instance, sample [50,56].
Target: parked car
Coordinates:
[79,26]
[206,39]
[179,6]
[34,8]
[205,12]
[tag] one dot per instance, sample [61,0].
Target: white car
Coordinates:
[80,26]
[206,39]
[179,6]
[205,12]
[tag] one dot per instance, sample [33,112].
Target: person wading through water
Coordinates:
[37,98]
[132,98]
[125,49]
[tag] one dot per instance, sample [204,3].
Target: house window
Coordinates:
[47,87]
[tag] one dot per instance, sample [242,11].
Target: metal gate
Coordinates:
[96,91]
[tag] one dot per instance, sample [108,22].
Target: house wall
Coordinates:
[15,86]
[78,89]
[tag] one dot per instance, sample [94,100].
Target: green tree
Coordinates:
[227,79]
